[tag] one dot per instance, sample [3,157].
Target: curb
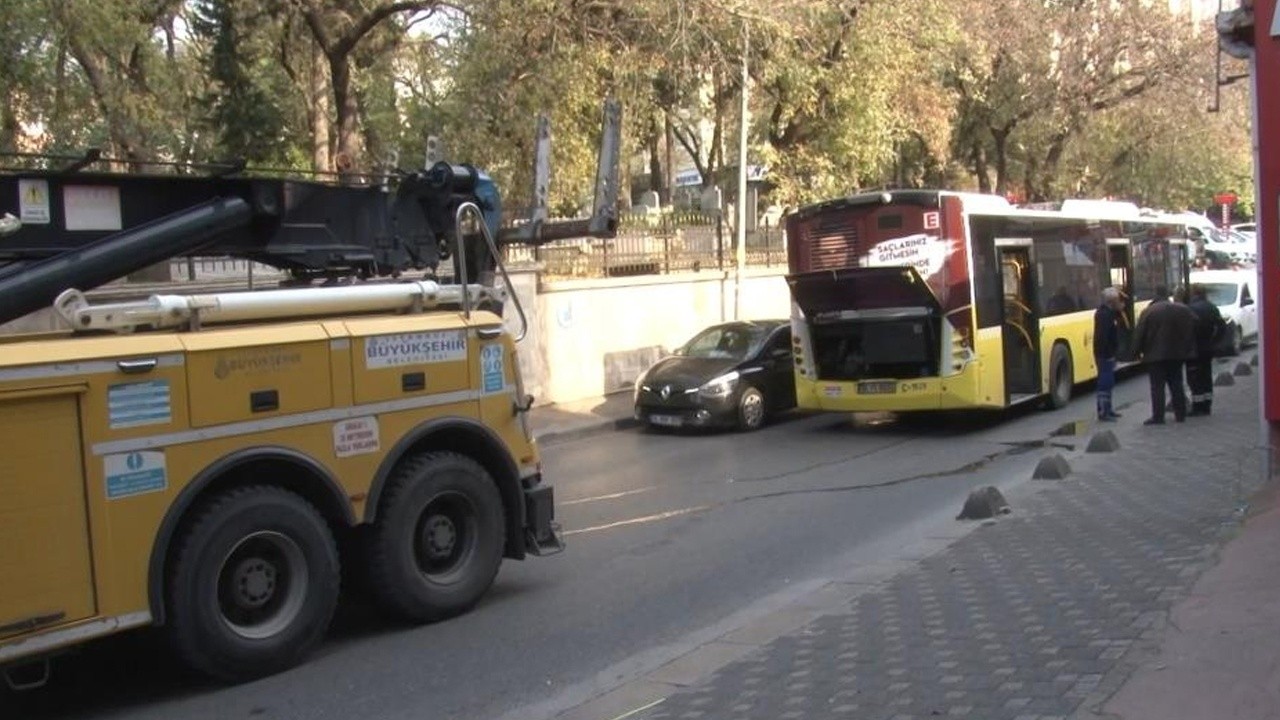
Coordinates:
[552,437]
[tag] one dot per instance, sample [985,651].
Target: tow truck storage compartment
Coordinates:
[870,323]
[44,530]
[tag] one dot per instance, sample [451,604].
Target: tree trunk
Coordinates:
[1001,141]
[655,161]
[318,109]
[978,157]
[347,160]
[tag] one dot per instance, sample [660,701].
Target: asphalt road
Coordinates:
[669,537]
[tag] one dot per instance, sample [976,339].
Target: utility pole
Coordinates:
[742,181]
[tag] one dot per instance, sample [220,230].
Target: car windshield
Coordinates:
[1220,293]
[725,342]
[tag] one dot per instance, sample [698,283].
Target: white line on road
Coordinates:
[636,521]
[611,496]
[642,708]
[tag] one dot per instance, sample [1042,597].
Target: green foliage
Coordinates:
[1040,99]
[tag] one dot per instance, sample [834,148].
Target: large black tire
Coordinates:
[752,409]
[253,584]
[1061,378]
[439,537]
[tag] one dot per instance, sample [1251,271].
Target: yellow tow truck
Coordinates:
[219,465]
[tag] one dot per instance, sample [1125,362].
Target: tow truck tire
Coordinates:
[1061,379]
[438,539]
[253,584]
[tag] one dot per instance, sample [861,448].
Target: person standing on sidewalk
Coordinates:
[1165,340]
[1209,328]
[1106,343]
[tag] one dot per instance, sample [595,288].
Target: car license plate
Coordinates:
[877,388]
[666,420]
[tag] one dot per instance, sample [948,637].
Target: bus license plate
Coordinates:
[877,388]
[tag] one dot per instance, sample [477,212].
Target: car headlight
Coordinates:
[719,386]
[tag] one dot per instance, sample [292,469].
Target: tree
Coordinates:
[338,27]
[1030,74]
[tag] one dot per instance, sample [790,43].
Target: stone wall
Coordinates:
[588,338]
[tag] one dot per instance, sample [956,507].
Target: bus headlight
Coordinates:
[719,386]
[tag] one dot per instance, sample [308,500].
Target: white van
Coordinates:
[1233,292]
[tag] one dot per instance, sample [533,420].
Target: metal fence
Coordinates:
[655,245]
[644,245]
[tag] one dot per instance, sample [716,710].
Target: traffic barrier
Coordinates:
[1053,467]
[1103,441]
[983,503]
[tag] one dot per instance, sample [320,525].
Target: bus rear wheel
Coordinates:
[1061,378]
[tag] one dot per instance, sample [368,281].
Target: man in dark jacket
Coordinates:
[1165,339]
[1209,328]
[1106,343]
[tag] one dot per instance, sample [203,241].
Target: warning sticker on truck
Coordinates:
[384,351]
[134,404]
[357,436]
[491,368]
[134,473]
[33,201]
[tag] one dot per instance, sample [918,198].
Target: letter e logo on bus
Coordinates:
[931,221]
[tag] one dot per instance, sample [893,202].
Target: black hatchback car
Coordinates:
[736,375]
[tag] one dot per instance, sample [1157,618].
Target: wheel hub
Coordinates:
[439,536]
[255,582]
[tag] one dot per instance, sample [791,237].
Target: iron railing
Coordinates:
[655,245]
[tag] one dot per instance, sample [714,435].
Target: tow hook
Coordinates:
[522,406]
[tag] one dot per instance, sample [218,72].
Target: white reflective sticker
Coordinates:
[134,473]
[91,207]
[134,404]
[382,351]
[357,436]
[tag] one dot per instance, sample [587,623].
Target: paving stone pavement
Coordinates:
[1028,618]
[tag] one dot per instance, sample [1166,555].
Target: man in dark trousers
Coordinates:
[1209,328]
[1106,343]
[1165,339]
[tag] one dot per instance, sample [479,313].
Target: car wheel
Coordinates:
[438,540]
[1237,340]
[751,409]
[253,585]
[1061,379]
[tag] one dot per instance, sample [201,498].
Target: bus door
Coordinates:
[1021,327]
[1120,266]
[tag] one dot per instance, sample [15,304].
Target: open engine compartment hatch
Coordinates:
[832,295]
[878,323]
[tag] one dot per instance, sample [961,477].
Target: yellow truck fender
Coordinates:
[307,478]
[468,437]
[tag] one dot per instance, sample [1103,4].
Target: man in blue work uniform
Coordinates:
[1106,343]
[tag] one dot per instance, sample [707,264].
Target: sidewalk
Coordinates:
[561,422]
[1083,603]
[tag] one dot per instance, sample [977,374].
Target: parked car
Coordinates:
[735,374]
[1249,230]
[1232,291]
[1234,245]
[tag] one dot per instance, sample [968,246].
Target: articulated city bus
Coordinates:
[931,300]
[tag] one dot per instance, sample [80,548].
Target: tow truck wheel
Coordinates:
[438,539]
[254,584]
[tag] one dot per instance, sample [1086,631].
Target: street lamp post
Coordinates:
[742,183]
